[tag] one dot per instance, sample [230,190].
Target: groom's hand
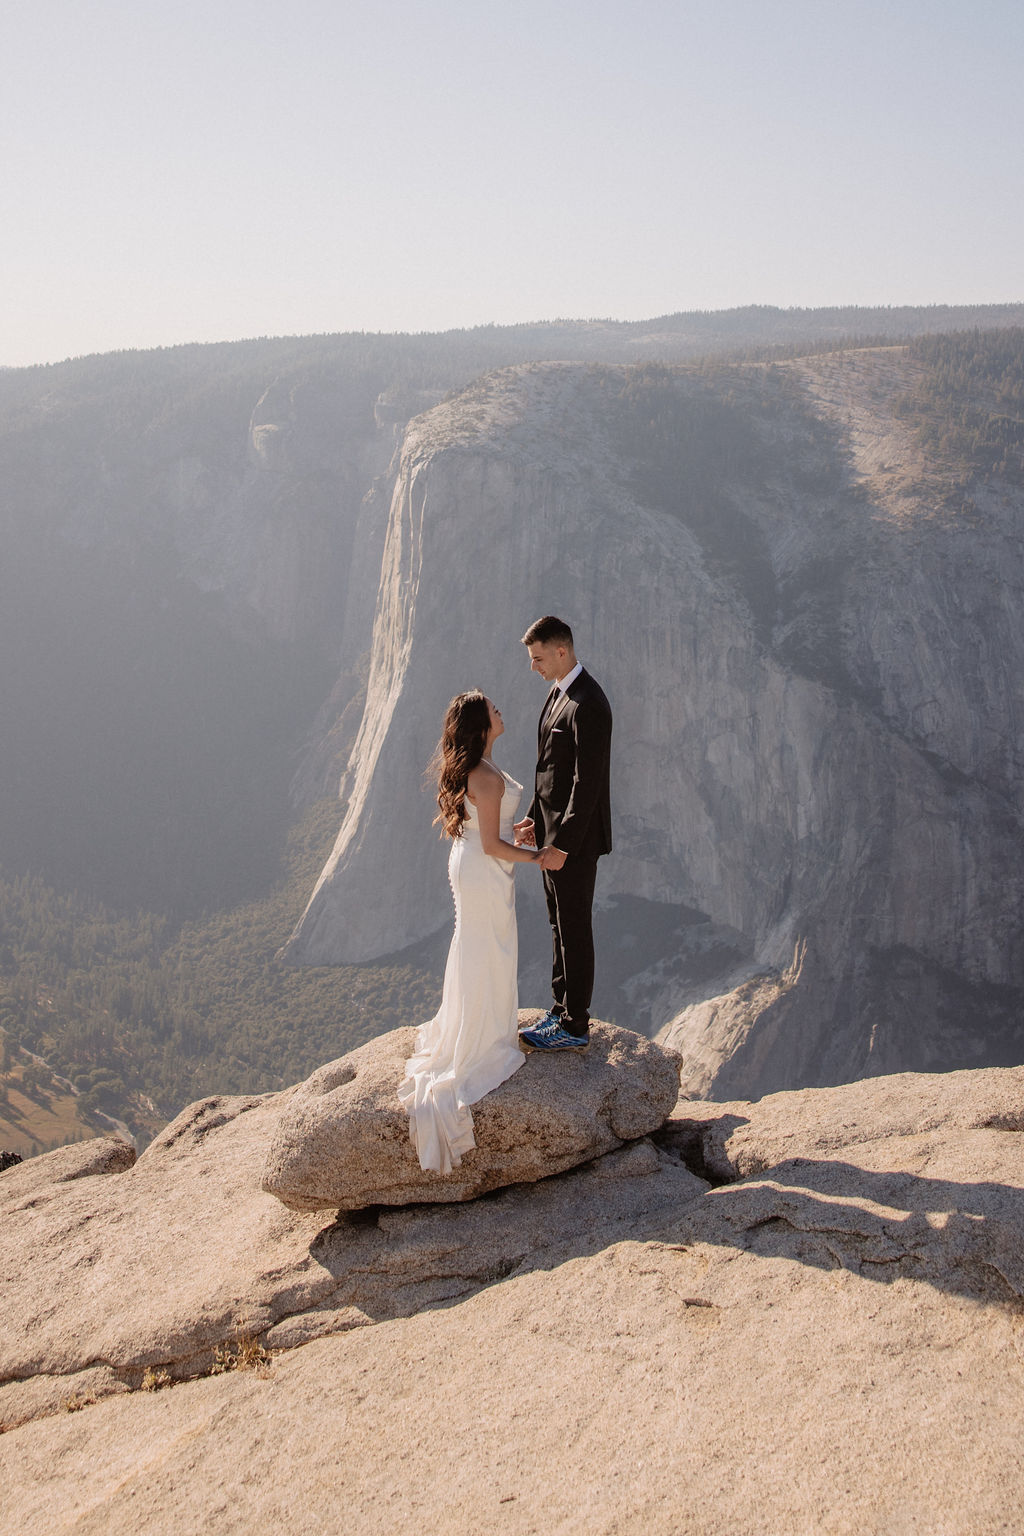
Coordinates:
[525,836]
[552,858]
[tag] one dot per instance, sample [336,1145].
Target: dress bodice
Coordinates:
[509,807]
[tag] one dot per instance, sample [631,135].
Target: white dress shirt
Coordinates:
[570,677]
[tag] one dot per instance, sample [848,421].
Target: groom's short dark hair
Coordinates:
[548,630]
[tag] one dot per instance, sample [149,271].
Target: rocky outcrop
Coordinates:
[737,1141]
[904,1175]
[185,1254]
[343,1143]
[801,1314]
[824,763]
[80,1160]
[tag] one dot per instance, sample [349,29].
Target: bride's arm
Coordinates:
[488,787]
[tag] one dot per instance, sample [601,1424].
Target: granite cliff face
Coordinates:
[811,643]
[808,624]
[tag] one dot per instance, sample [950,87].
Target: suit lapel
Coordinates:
[554,712]
[542,719]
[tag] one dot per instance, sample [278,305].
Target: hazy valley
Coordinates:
[241,581]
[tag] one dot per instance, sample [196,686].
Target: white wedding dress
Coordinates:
[471,1045]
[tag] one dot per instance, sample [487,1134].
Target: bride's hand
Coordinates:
[525,836]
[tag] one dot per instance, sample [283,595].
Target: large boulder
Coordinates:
[343,1139]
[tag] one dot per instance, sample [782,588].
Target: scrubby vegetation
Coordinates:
[968,410]
[143,1015]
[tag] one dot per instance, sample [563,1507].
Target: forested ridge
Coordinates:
[969,409]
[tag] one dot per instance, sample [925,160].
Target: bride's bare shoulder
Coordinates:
[485,782]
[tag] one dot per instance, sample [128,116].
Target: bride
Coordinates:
[471,1045]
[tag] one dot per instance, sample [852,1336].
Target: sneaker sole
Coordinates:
[580,1049]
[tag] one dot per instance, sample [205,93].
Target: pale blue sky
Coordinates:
[207,169]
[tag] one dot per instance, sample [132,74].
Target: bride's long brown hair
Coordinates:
[467,721]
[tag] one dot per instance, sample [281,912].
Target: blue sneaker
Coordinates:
[549,1022]
[530,1039]
[555,1040]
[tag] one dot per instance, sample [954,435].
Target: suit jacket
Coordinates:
[571,802]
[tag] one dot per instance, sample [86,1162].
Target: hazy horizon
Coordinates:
[569,322]
[239,171]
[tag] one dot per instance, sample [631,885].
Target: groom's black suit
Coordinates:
[571,807]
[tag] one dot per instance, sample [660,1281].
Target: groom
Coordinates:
[570,817]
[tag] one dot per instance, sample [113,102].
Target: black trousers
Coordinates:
[570,897]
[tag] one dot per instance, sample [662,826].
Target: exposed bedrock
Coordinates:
[180,1259]
[147,1272]
[818,731]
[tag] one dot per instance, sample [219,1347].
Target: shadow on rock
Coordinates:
[965,1238]
[392,1261]
[914,1178]
[962,1237]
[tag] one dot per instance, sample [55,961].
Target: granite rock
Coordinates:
[80,1160]
[159,1267]
[343,1139]
[824,1335]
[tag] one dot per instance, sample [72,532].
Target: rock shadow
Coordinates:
[962,1237]
[965,1238]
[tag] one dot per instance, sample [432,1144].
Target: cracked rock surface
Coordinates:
[918,1174]
[800,1315]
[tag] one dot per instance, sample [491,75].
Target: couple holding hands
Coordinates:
[473,1043]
